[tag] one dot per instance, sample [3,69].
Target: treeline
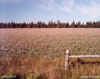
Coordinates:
[51,24]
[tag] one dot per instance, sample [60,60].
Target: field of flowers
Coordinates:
[39,53]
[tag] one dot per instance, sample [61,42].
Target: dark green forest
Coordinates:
[51,24]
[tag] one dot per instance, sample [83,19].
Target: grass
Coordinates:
[50,69]
[39,53]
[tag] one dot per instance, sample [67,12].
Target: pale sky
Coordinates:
[46,10]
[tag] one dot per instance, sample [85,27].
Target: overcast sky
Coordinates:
[46,10]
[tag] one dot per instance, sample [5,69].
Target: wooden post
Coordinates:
[67,59]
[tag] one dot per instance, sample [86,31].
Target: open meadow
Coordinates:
[35,53]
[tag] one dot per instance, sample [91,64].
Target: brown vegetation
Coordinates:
[39,53]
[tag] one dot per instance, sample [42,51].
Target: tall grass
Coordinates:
[39,68]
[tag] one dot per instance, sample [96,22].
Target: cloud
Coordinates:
[9,1]
[92,11]
[67,6]
[63,5]
[47,4]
